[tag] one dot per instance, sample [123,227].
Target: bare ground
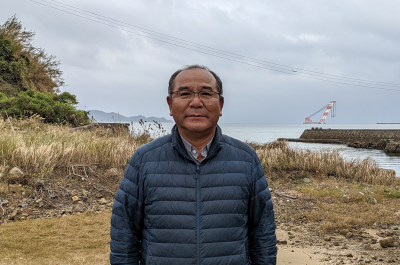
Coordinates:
[65,220]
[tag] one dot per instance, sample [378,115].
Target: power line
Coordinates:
[212,51]
[286,71]
[285,67]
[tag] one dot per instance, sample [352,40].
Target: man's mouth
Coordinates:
[195,116]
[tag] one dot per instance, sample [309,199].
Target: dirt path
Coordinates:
[295,255]
[298,256]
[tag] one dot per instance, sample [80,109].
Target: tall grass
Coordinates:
[39,148]
[278,157]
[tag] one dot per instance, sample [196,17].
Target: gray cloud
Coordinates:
[112,70]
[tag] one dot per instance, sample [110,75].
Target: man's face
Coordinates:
[195,116]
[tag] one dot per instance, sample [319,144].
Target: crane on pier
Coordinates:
[327,108]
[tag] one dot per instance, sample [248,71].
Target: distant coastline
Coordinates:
[101,116]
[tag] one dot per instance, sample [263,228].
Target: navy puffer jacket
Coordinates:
[171,210]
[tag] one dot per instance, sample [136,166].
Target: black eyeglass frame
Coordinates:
[194,93]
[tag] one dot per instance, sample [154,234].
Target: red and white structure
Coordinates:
[328,107]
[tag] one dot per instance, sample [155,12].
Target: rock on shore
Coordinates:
[388,146]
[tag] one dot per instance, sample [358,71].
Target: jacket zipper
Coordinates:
[198,212]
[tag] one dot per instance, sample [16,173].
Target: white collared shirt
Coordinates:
[193,152]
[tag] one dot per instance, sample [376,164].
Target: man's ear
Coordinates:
[221,104]
[169,101]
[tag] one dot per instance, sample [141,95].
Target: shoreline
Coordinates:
[387,140]
[353,151]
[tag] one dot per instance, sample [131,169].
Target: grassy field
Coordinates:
[337,198]
[39,149]
[278,157]
[337,205]
[82,239]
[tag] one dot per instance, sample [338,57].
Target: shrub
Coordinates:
[30,80]
[52,107]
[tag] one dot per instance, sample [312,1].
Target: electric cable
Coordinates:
[212,51]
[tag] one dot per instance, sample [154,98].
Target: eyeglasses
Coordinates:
[203,95]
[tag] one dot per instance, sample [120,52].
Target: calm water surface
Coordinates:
[264,133]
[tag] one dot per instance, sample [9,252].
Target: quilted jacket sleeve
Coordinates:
[127,217]
[262,237]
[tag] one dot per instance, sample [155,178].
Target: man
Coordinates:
[195,196]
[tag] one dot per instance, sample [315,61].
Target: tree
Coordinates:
[30,80]
[23,66]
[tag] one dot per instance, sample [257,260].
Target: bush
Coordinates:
[30,80]
[53,108]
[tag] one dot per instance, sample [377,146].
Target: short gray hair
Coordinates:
[193,66]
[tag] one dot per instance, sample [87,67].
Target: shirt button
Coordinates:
[194,151]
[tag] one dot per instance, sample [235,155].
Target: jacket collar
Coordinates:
[178,145]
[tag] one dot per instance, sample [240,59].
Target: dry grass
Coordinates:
[338,216]
[345,192]
[39,148]
[74,239]
[335,203]
[278,157]
[84,239]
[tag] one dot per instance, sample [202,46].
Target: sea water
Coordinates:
[264,133]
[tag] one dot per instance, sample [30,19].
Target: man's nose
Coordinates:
[196,101]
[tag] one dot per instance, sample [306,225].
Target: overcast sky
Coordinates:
[113,70]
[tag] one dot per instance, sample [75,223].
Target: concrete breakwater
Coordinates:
[387,140]
[351,135]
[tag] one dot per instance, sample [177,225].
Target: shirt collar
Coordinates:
[193,152]
[177,143]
